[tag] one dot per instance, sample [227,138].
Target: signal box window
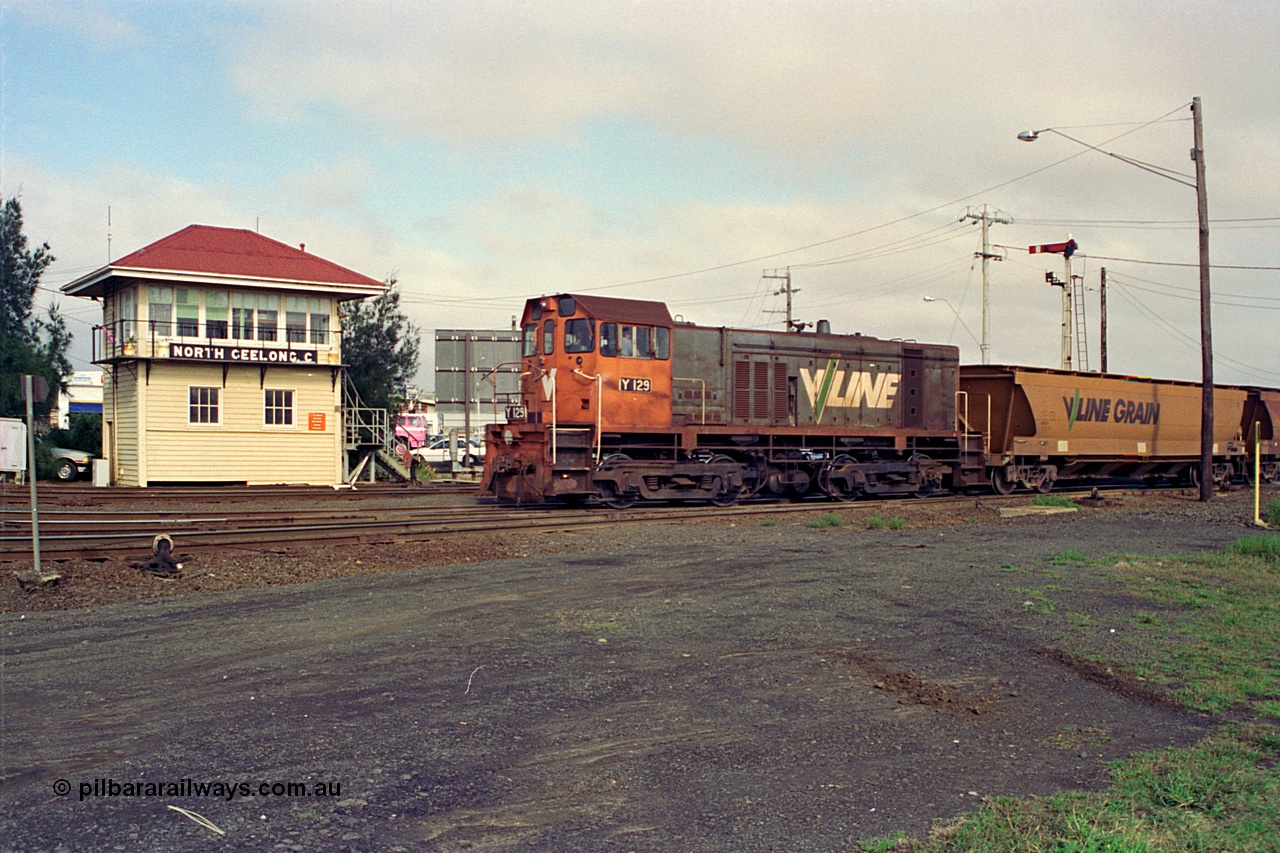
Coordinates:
[277,409]
[215,314]
[160,310]
[268,316]
[578,335]
[186,302]
[530,340]
[548,337]
[202,405]
[242,306]
[635,341]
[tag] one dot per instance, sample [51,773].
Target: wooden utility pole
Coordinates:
[787,289]
[1206,338]
[986,218]
[1103,290]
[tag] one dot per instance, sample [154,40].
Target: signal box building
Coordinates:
[222,360]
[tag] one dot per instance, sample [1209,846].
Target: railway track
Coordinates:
[78,532]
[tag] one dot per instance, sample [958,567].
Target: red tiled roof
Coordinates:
[238,252]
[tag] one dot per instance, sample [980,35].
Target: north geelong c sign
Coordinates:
[246,355]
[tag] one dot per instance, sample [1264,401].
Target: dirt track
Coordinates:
[687,687]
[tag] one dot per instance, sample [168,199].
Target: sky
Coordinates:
[485,152]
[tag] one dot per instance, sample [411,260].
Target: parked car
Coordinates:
[69,464]
[436,451]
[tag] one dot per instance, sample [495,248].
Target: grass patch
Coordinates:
[897,524]
[1083,621]
[1272,512]
[1035,601]
[829,519]
[1218,795]
[1069,558]
[875,522]
[769,522]
[1217,635]
[1265,548]
[1207,628]
[1052,500]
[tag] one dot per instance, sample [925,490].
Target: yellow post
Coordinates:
[1257,477]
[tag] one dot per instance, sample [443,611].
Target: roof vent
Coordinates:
[302,247]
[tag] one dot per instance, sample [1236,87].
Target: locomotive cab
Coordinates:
[590,365]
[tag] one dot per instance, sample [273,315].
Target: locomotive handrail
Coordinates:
[599,381]
[493,374]
[703,383]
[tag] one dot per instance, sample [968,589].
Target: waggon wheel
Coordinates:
[1000,481]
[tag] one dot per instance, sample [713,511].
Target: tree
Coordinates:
[380,348]
[28,344]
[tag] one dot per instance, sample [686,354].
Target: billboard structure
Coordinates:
[477,373]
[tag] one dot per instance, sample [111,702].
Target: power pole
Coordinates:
[1103,290]
[986,217]
[1206,339]
[785,277]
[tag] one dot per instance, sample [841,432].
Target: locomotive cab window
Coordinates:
[635,341]
[548,337]
[530,346]
[567,306]
[579,335]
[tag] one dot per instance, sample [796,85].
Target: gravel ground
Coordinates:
[758,685]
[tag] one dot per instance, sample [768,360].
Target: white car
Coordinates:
[436,452]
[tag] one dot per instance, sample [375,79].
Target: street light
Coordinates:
[1196,182]
[962,323]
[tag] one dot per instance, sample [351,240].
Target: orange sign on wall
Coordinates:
[315,421]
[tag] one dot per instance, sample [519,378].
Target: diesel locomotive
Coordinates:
[620,402]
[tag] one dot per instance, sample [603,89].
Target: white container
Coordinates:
[102,472]
[13,446]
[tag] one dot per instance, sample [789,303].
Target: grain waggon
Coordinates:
[1040,425]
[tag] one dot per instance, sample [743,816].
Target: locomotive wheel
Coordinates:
[1045,486]
[725,497]
[1001,483]
[925,489]
[828,487]
[606,492]
[616,501]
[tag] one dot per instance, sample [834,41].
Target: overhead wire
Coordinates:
[1187,340]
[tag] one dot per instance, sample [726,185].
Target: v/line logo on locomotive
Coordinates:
[1104,410]
[863,388]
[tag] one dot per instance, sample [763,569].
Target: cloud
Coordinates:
[99,27]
